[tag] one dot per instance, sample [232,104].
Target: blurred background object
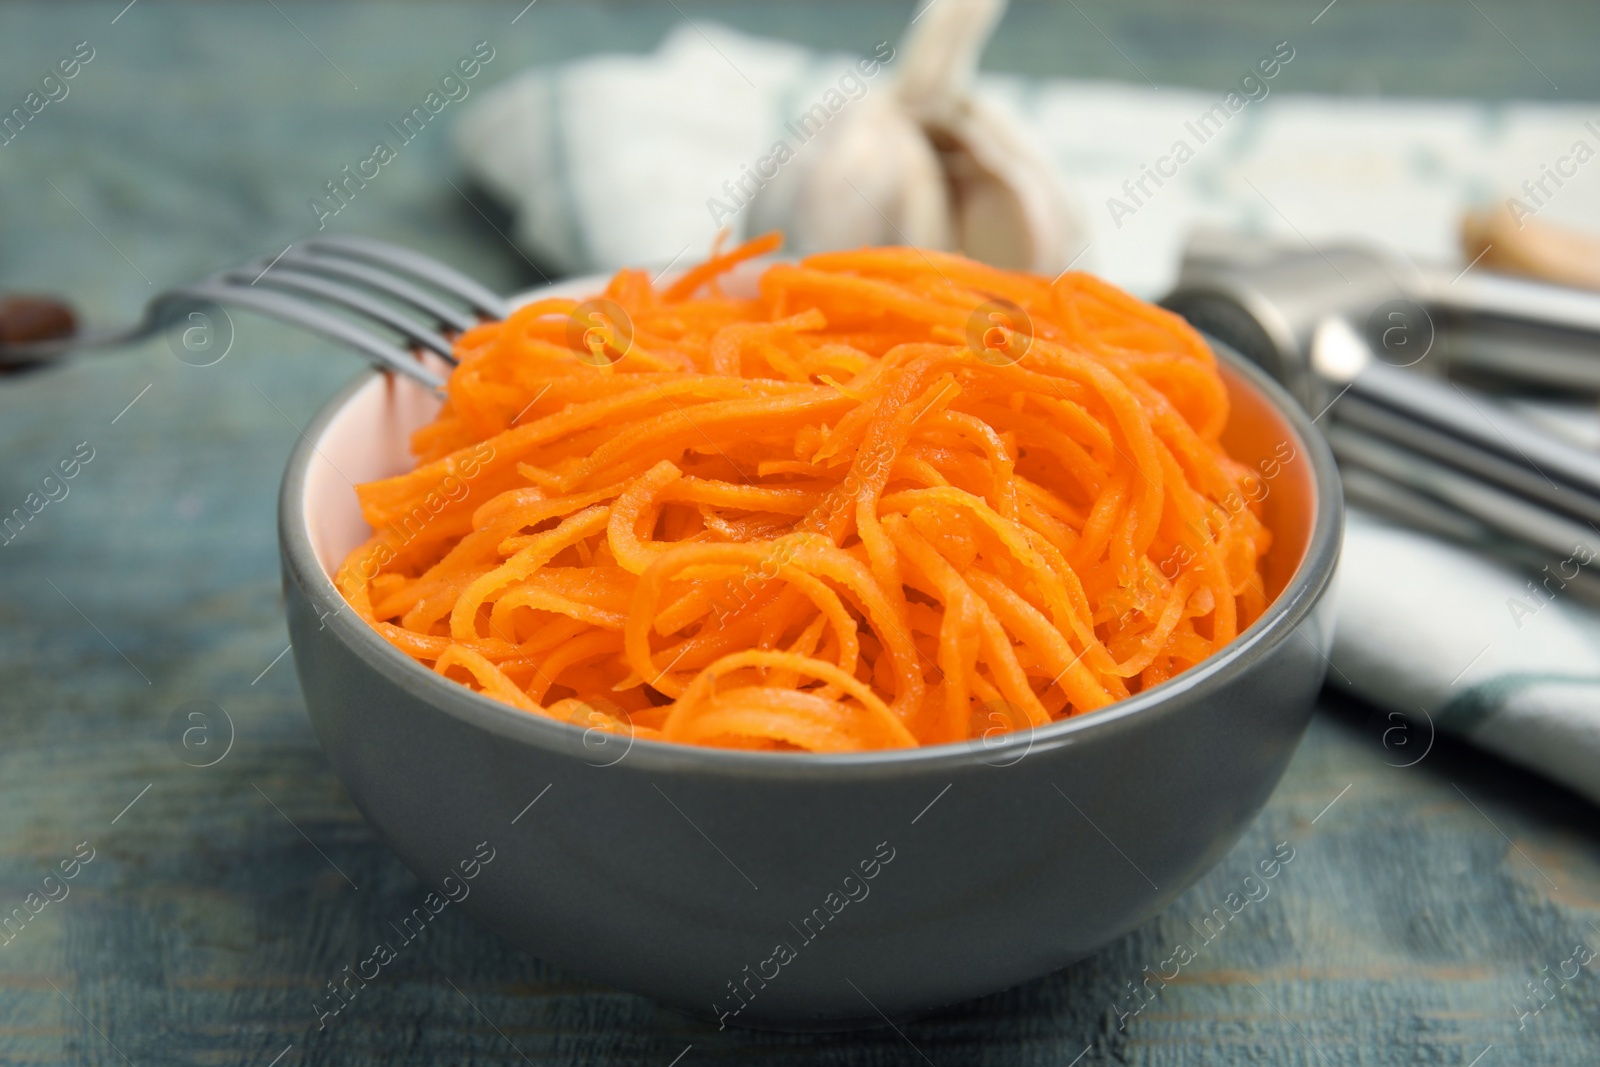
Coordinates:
[1503,238]
[719,127]
[33,318]
[718,130]
[930,162]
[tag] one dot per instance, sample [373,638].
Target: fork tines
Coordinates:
[383,300]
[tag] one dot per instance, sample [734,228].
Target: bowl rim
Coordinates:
[1284,614]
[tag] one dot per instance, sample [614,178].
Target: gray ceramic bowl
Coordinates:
[805,891]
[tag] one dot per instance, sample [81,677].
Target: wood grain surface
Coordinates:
[220,899]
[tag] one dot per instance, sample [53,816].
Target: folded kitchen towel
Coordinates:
[1472,648]
[614,160]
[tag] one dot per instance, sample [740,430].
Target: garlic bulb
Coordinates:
[928,163]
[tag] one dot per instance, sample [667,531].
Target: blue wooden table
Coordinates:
[213,889]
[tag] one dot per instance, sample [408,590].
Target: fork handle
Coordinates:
[31,321]
[28,350]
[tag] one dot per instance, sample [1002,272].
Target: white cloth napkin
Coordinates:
[614,160]
[1464,645]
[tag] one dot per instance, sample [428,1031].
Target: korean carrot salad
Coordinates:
[894,498]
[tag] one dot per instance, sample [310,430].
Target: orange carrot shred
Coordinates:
[830,517]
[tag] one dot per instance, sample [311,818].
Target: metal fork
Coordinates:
[383,301]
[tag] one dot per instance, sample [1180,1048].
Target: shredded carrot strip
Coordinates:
[822,518]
